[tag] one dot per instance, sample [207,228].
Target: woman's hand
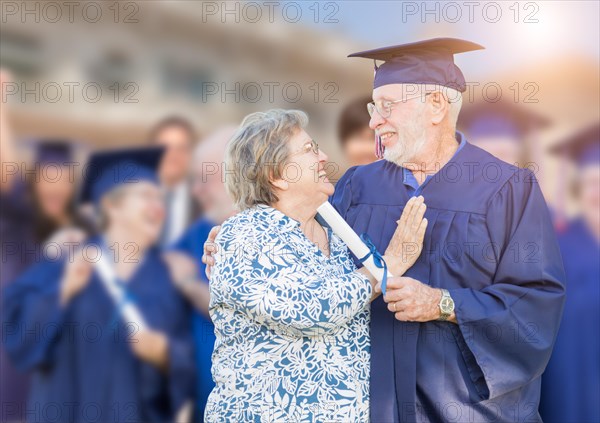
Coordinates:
[407,242]
[210,248]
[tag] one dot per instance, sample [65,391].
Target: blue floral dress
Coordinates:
[292,325]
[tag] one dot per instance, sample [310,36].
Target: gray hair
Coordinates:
[455,98]
[113,196]
[258,153]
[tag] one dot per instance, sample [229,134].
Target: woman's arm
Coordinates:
[375,286]
[272,286]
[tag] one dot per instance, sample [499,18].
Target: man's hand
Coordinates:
[210,248]
[407,242]
[411,300]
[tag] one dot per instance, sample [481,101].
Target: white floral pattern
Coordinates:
[291,325]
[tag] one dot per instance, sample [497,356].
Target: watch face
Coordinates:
[447,305]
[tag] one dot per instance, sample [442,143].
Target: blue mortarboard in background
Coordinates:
[423,62]
[107,170]
[53,152]
[501,118]
[583,147]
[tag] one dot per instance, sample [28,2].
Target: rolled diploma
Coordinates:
[129,311]
[352,240]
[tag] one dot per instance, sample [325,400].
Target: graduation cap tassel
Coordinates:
[379,148]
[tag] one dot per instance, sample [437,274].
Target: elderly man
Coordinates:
[467,333]
[177,136]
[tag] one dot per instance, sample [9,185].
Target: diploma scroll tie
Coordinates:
[377,259]
[360,246]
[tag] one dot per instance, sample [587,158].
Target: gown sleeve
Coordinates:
[275,291]
[32,316]
[181,369]
[510,326]
[341,199]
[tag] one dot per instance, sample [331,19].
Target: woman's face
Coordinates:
[141,210]
[54,190]
[305,170]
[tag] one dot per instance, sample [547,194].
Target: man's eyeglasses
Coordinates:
[385,108]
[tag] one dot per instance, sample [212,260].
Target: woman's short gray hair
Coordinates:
[257,154]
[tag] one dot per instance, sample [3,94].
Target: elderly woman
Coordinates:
[291,312]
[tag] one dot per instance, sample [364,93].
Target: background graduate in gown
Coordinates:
[504,129]
[476,351]
[571,383]
[88,363]
[209,192]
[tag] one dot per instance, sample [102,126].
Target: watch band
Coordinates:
[445,296]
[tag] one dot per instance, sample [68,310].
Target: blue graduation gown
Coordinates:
[571,382]
[19,249]
[490,242]
[82,364]
[192,243]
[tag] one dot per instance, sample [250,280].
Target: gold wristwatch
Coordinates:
[446,305]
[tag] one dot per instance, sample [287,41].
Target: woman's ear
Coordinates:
[280,184]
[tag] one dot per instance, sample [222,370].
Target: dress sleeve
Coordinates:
[30,307]
[510,326]
[273,287]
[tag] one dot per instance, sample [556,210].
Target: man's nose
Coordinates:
[376,120]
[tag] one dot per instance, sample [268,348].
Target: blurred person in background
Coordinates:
[210,193]
[52,189]
[177,136]
[571,382]
[15,226]
[15,212]
[356,138]
[37,207]
[503,129]
[87,363]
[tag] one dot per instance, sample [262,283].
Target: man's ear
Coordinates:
[439,107]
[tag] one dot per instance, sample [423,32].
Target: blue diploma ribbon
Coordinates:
[377,259]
